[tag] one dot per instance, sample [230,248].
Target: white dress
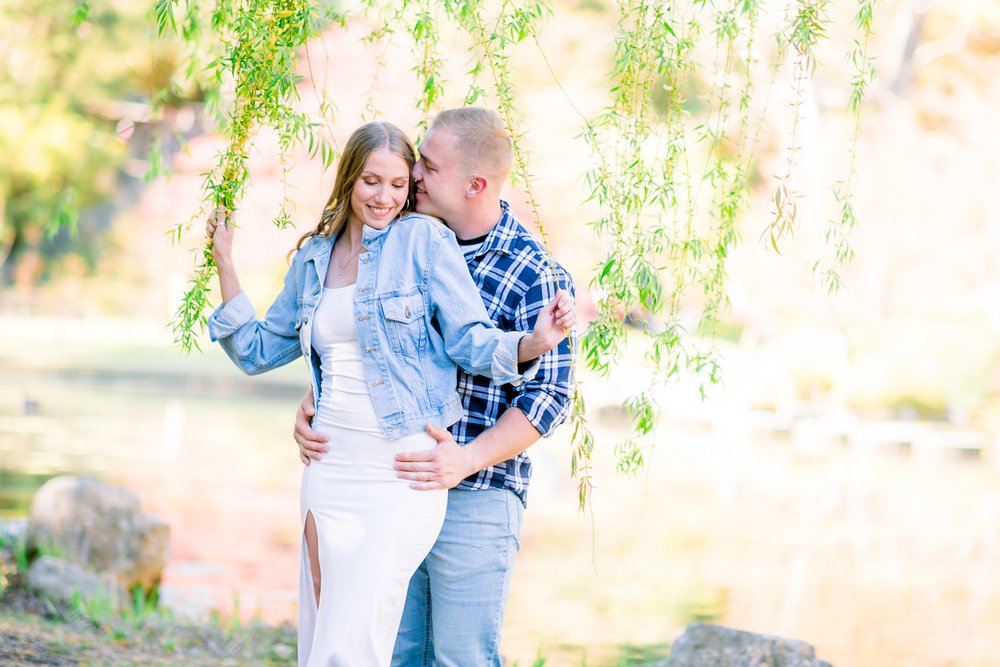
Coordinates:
[373,530]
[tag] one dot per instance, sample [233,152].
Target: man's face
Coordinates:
[440,178]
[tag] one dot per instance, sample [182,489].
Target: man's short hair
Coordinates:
[483,143]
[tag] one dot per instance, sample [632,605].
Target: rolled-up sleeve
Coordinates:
[545,398]
[256,345]
[229,317]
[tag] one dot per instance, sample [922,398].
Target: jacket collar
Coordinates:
[318,246]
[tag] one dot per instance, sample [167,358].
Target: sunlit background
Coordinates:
[840,485]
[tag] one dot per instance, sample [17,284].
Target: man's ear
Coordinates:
[477,186]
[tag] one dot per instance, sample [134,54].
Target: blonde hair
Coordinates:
[362,143]
[483,144]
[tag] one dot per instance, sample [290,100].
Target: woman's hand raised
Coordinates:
[552,326]
[221,232]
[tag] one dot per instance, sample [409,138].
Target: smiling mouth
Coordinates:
[379,211]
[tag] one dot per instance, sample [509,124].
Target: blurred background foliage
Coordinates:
[94,103]
[73,87]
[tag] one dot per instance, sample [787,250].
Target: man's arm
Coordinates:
[449,463]
[312,444]
[540,405]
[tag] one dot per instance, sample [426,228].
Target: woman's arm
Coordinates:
[471,339]
[538,406]
[221,233]
[253,345]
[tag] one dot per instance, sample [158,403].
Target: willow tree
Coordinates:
[670,185]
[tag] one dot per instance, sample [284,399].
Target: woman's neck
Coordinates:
[353,234]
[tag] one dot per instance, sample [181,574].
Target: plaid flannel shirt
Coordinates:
[516,281]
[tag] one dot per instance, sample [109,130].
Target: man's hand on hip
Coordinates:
[312,444]
[440,468]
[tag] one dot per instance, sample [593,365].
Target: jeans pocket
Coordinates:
[515,515]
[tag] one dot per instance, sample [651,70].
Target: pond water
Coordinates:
[210,455]
[204,447]
[877,556]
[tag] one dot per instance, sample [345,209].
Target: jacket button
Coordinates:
[406,313]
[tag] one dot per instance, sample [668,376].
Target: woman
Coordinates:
[382,306]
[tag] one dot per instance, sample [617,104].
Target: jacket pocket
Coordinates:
[404,322]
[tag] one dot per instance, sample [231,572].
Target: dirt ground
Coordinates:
[36,633]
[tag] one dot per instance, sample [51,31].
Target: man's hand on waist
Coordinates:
[440,468]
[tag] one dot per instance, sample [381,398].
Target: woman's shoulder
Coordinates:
[419,224]
[310,247]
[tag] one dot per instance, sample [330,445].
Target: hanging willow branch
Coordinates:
[807,27]
[839,229]
[666,246]
[260,59]
[516,27]
[637,188]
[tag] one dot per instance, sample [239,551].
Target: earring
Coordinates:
[403,211]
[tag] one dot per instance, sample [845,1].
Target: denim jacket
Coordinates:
[417,311]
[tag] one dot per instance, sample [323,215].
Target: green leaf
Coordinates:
[164,10]
[81,13]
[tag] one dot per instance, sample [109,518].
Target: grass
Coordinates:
[97,631]
[96,635]
[116,640]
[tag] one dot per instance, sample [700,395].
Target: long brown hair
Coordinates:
[363,142]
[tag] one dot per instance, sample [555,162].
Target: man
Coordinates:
[454,607]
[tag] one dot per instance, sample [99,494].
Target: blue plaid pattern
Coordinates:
[516,281]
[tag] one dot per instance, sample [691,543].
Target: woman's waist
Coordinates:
[348,446]
[348,409]
[336,386]
[388,400]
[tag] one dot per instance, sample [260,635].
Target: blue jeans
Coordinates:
[455,603]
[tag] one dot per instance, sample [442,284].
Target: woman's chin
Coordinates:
[381,221]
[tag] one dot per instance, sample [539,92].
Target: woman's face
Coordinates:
[380,191]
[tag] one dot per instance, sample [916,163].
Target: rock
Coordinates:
[8,570]
[100,528]
[704,645]
[55,579]
[12,531]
